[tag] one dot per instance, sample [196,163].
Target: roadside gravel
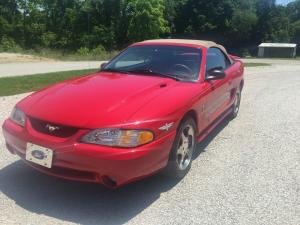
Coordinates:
[27,68]
[246,172]
[6,105]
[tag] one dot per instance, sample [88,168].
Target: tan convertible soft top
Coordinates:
[207,44]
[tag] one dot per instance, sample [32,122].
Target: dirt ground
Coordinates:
[17,57]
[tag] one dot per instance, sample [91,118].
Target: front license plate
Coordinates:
[39,155]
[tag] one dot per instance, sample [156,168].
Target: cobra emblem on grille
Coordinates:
[51,128]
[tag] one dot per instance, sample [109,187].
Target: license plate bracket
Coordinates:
[39,155]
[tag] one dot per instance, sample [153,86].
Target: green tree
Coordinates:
[295,31]
[242,25]
[172,9]
[205,19]
[273,24]
[293,10]
[146,19]
[93,24]
[9,19]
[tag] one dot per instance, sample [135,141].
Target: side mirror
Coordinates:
[215,74]
[102,66]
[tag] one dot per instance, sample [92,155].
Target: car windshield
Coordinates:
[182,63]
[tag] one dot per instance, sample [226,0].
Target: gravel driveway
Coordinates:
[26,68]
[246,172]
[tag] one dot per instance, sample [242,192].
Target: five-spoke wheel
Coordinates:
[185,147]
[182,150]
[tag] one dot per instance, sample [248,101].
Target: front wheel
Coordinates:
[182,151]
[236,104]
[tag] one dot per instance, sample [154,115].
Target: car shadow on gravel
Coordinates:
[206,141]
[81,202]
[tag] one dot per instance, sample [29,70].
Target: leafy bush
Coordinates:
[48,39]
[245,53]
[7,44]
[83,51]
[100,50]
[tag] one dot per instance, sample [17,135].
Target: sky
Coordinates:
[283,2]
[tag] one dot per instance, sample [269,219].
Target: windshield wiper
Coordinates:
[154,73]
[114,71]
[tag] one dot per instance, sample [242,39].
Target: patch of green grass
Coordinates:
[256,64]
[23,84]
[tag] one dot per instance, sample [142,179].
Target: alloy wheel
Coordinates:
[185,147]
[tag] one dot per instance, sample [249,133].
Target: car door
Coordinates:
[221,89]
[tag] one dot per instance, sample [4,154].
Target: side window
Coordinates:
[216,58]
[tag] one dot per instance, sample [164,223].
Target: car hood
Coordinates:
[97,100]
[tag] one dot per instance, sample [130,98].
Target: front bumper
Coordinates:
[90,163]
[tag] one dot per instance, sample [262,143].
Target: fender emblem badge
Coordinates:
[166,127]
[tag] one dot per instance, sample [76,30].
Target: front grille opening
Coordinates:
[52,129]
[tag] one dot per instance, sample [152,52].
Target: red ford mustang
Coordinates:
[143,112]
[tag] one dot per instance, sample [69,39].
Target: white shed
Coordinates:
[277,50]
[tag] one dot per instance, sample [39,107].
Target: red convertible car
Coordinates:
[143,112]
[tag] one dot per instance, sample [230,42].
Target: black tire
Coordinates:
[179,165]
[235,108]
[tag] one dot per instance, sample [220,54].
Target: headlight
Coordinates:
[18,116]
[118,137]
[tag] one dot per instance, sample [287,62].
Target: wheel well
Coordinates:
[192,114]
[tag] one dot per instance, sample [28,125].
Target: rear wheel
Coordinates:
[182,151]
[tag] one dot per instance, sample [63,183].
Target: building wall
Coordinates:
[273,52]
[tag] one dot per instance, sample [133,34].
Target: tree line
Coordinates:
[105,25]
